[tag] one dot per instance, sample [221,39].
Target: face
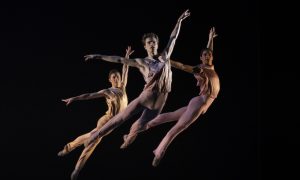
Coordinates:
[151,45]
[115,79]
[206,57]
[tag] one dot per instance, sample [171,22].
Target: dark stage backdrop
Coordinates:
[44,44]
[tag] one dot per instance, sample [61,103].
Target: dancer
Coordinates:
[116,99]
[156,70]
[208,81]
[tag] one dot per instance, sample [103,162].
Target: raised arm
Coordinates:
[116,59]
[102,93]
[125,67]
[170,46]
[211,36]
[183,67]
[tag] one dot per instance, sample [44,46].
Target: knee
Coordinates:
[150,125]
[100,125]
[136,126]
[182,126]
[177,130]
[161,116]
[203,109]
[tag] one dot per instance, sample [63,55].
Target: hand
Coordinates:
[184,15]
[68,101]
[212,33]
[89,57]
[128,52]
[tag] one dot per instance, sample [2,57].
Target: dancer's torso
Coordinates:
[116,103]
[158,75]
[208,81]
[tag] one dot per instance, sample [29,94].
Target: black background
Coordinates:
[44,44]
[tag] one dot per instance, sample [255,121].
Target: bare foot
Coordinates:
[157,158]
[128,140]
[65,151]
[74,175]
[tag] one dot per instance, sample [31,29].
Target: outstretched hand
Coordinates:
[89,57]
[184,15]
[212,33]
[128,52]
[68,101]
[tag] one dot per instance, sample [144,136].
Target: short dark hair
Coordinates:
[113,71]
[205,49]
[149,35]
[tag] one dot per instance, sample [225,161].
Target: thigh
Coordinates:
[153,100]
[167,117]
[193,111]
[172,116]
[178,112]
[103,120]
[196,103]
[148,115]
[133,108]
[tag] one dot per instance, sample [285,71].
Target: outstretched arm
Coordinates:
[170,46]
[125,67]
[87,96]
[211,36]
[183,67]
[116,59]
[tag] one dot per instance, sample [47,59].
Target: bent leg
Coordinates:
[166,117]
[81,139]
[73,145]
[192,112]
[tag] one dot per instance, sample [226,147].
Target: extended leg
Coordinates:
[81,139]
[166,117]
[133,108]
[73,145]
[193,111]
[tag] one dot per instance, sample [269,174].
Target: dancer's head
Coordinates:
[114,78]
[206,56]
[150,42]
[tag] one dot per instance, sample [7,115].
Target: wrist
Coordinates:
[97,56]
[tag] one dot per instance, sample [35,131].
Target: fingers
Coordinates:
[128,49]
[87,57]
[67,101]
[186,14]
[131,52]
[212,32]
